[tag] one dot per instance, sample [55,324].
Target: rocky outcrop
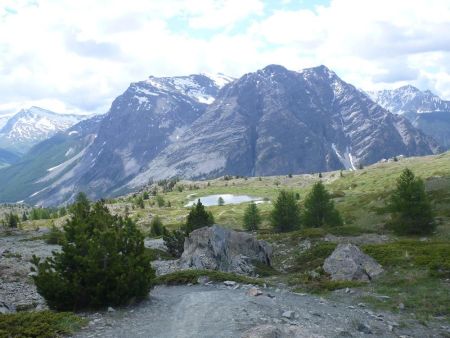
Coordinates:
[218,248]
[348,262]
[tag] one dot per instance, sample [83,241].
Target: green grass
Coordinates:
[313,259]
[156,254]
[191,276]
[42,324]
[320,284]
[420,295]
[432,256]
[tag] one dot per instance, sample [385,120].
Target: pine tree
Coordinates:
[285,215]
[12,220]
[319,208]
[140,202]
[220,201]
[252,218]
[198,218]
[102,261]
[174,241]
[24,217]
[160,201]
[156,226]
[410,207]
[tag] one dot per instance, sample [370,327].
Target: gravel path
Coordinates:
[16,286]
[219,311]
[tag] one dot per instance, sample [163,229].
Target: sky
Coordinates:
[77,56]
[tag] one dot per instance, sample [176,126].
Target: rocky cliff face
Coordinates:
[276,121]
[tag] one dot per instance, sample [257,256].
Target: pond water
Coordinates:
[211,200]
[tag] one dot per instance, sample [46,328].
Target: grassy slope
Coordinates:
[362,192]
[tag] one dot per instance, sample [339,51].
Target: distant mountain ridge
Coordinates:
[409,99]
[30,126]
[426,111]
[272,121]
[276,121]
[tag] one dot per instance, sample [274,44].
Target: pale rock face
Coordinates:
[348,262]
[217,248]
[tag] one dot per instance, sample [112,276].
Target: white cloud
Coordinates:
[80,55]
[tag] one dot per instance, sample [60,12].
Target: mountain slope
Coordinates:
[426,111]
[276,121]
[142,121]
[47,163]
[7,158]
[30,126]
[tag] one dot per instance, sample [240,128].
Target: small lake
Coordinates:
[212,200]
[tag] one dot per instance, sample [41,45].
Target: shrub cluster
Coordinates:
[102,262]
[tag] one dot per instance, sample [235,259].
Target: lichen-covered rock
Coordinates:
[217,248]
[348,262]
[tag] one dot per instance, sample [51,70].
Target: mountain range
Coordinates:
[270,122]
[30,126]
[426,111]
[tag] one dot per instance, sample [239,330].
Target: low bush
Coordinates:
[431,255]
[313,258]
[54,236]
[156,254]
[39,324]
[156,227]
[191,276]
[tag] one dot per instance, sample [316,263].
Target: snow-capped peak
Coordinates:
[219,79]
[407,99]
[35,124]
[202,88]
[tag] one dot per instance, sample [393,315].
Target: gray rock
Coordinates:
[364,328]
[155,243]
[348,262]
[229,283]
[254,292]
[288,314]
[203,280]
[218,248]
[6,308]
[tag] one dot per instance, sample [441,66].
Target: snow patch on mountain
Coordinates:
[346,159]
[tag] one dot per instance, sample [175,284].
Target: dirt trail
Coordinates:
[218,311]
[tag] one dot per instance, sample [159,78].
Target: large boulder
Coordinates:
[348,262]
[217,248]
